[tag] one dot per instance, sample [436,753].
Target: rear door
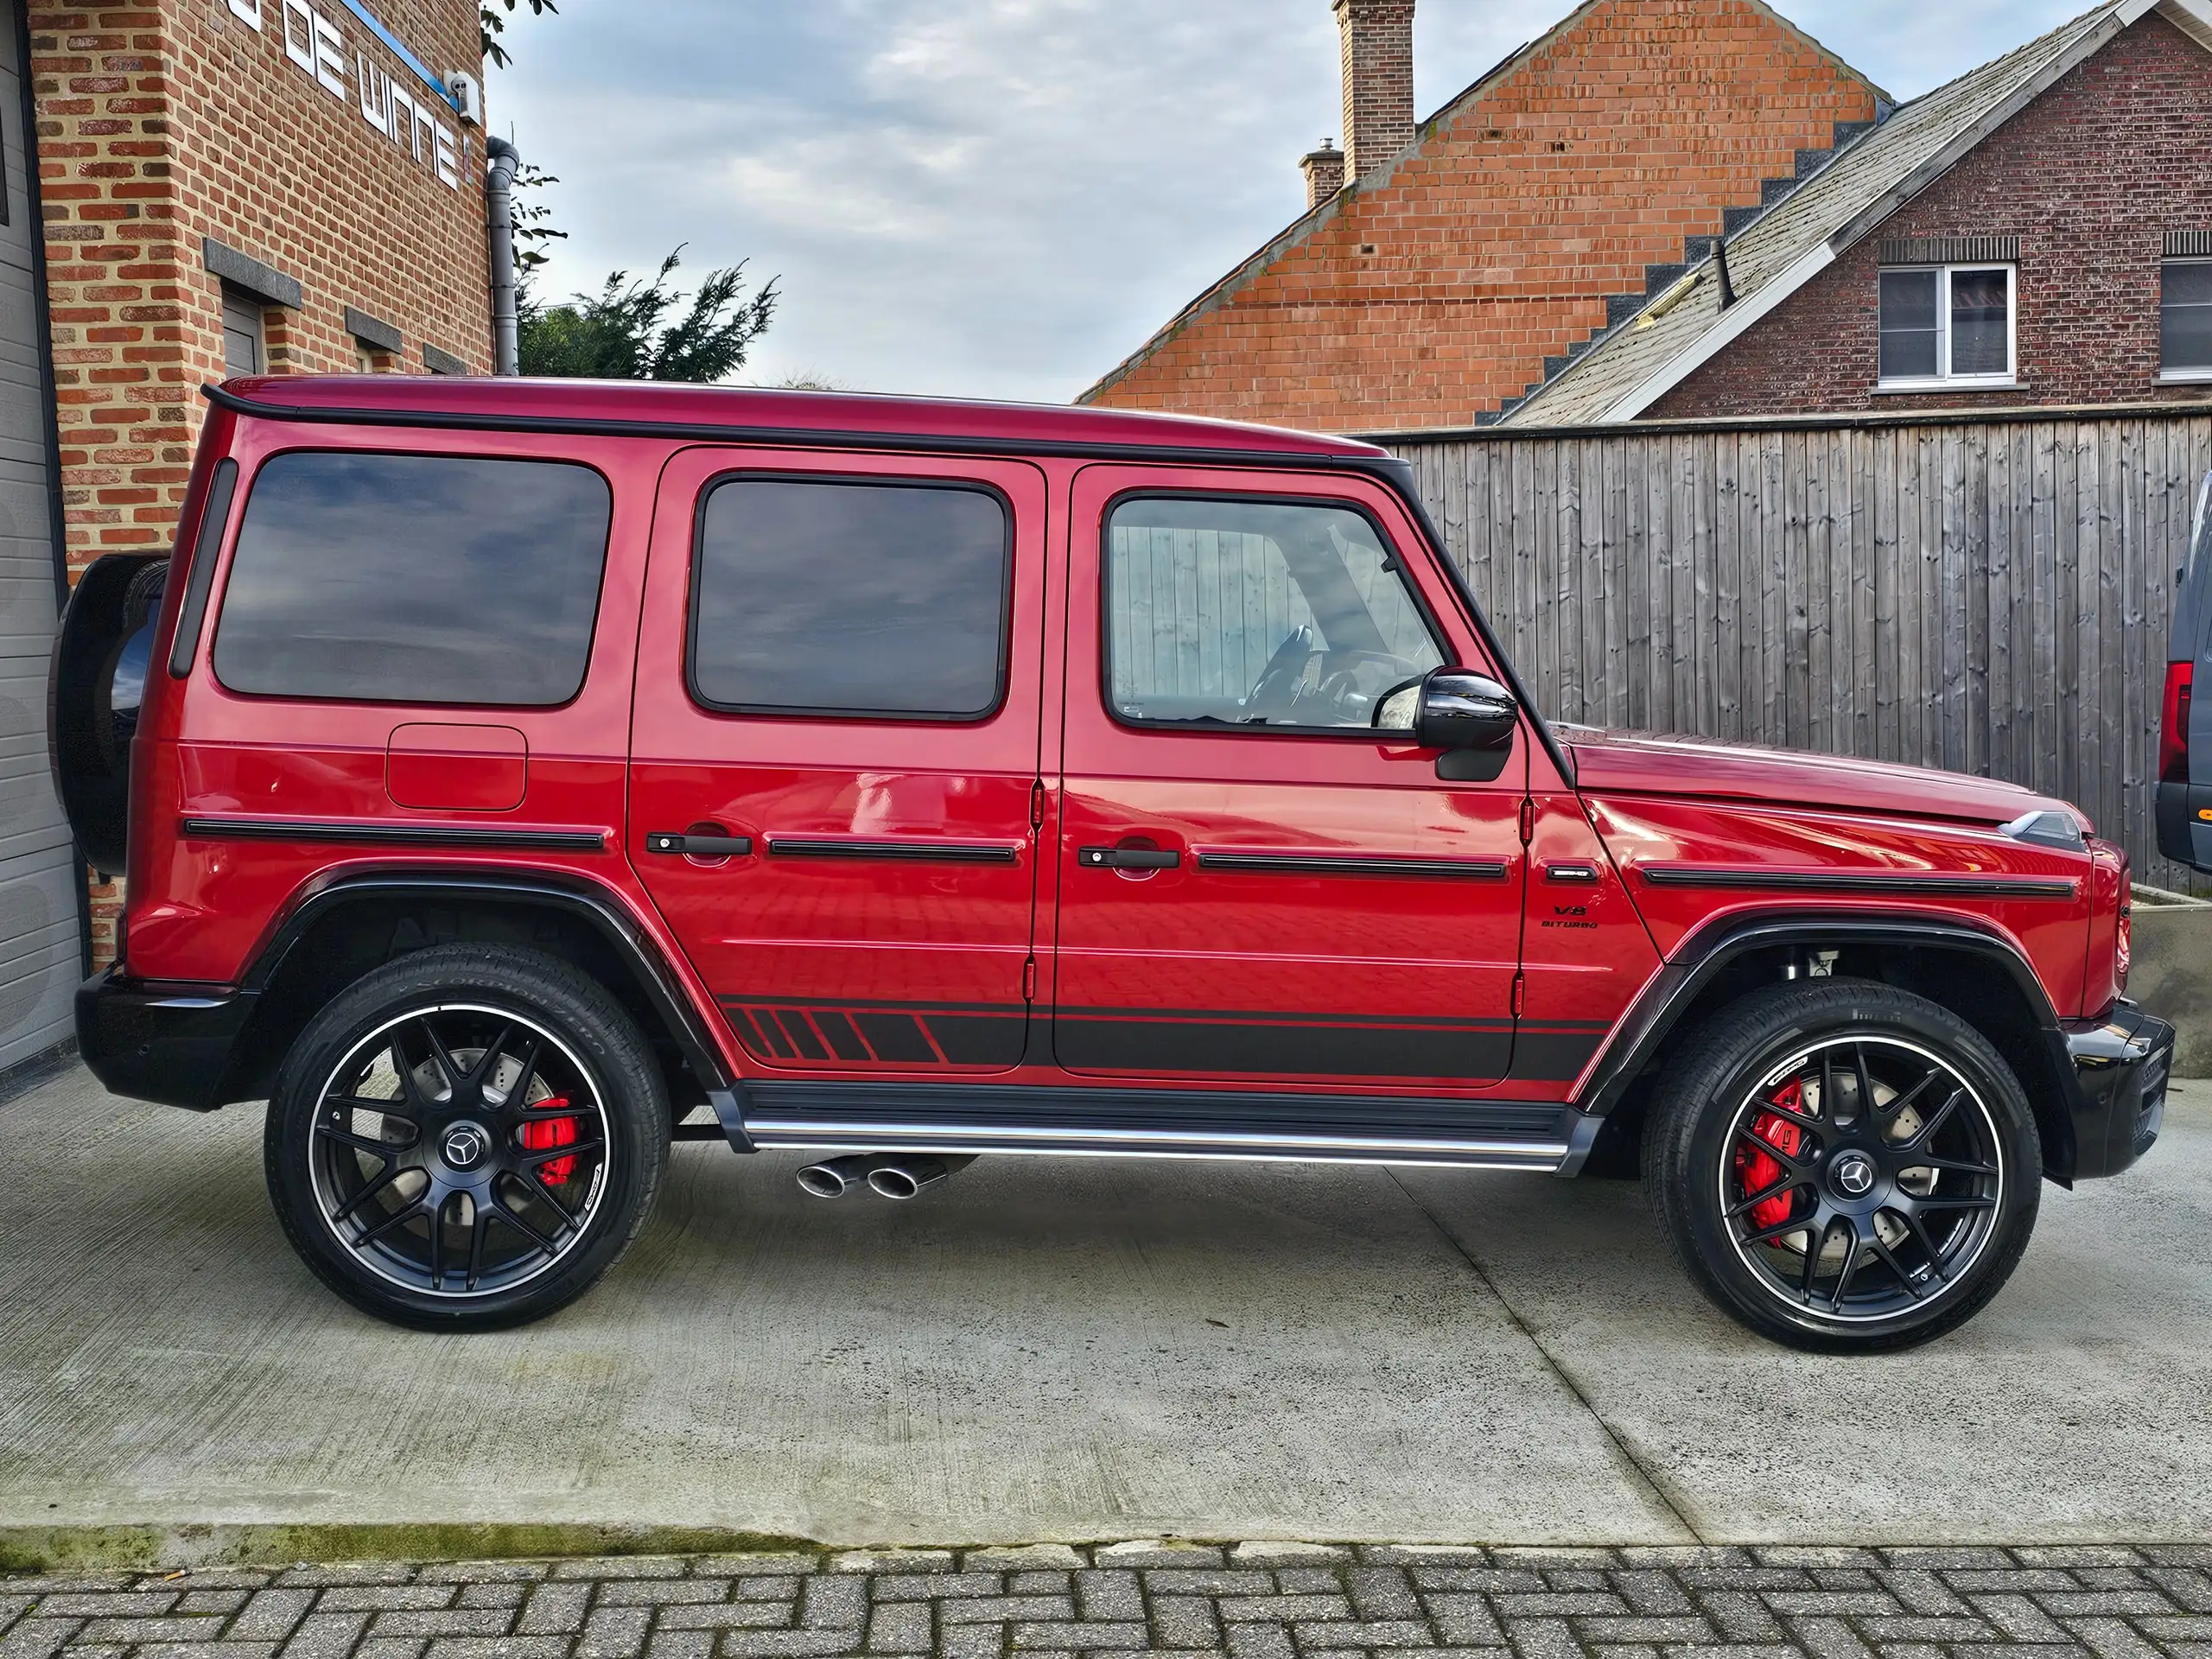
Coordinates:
[1258,888]
[835,755]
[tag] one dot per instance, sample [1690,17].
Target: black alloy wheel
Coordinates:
[467,1138]
[1841,1164]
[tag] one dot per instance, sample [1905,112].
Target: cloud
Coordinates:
[1002,197]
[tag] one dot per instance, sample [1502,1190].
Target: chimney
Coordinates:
[1324,172]
[1378,53]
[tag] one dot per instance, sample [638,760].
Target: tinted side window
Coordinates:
[427,579]
[832,597]
[1256,613]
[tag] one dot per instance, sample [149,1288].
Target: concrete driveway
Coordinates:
[1075,1350]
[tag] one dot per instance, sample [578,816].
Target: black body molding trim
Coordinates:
[1732,878]
[896,852]
[453,836]
[1465,869]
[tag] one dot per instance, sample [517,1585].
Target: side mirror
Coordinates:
[1470,716]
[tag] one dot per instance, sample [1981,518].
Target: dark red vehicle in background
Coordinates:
[518,771]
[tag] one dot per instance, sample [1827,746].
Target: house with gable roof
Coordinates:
[1444,268]
[2038,232]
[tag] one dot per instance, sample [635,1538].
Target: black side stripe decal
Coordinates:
[1463,869]
[396,835]
[901,852]
[1856,881]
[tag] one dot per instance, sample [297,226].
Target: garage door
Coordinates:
[40,930]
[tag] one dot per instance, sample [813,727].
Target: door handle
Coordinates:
[1128,858]
[691,846]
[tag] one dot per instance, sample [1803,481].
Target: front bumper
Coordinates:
[2122,1064]
[171,1044]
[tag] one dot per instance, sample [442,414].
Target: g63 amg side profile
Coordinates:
[512,777]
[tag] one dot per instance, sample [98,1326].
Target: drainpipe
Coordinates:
[498,194]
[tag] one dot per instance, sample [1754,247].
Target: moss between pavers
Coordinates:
[62,1549]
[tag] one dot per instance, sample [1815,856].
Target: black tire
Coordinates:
[1815,1220]
[466,1138]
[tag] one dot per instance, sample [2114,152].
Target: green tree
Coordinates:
[623,331]
[492,23]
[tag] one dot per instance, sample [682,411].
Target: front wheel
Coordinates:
[1844,1166]
[467,1138]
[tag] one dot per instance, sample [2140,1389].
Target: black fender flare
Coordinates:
[579,898]
[1707,952]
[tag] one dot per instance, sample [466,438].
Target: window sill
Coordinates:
[1922,388]
[2185,378]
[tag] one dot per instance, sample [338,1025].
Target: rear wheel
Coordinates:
[466,1138]
[1844,1166]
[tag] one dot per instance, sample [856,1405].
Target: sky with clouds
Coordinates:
[1003,197]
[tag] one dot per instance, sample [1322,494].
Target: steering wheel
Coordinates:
[1340,686]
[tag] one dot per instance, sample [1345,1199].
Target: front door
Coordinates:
[1258,888]
[835,751]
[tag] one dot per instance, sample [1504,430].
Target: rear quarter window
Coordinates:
[415,578]
[825,597]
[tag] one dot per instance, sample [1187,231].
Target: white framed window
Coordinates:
[2185,320]
[247,12]
[1949,325]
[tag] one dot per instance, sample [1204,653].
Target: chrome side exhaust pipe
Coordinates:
[906,1175]
[834,1177]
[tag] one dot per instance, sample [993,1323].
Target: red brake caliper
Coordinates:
[1757,1168]
[544,1133]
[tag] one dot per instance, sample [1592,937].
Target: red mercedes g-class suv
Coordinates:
[509,773]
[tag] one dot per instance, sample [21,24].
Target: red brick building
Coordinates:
[1468,255]
[2037,232]
[191,189]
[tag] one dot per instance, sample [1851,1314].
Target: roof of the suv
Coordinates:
[706,411]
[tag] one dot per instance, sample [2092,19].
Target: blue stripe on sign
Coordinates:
[445,92]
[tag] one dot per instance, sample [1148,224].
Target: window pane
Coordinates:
[415,578]
[833,598]
[2186,319]
[1256,613]
[1909,330]
[1981,322]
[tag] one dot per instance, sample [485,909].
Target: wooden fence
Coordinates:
[1981,595]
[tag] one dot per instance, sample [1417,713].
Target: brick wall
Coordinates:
[164,123]
[1433,294]
[2090,177]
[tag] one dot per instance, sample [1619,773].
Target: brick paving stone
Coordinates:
[324,1636]
[211,1601]
[554,1610]
[1185,1622]
[900,1627]
[1282,1554]
[1465,1621]
[443,1621]
[1164,1581]
[383,1597]
[1023,1559]
[914,1586]
[1266,1601]
[491,1592]
[1107,1593]
[729,1616]
[1153,1552]
[355,1572]
[662,1592]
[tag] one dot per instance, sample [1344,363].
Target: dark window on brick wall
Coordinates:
[243,352]
[2185,318]
[1946,323]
